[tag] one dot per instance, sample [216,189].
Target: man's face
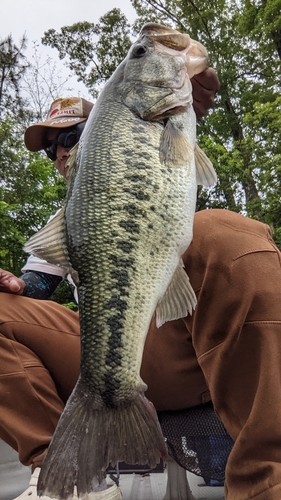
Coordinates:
[62,152]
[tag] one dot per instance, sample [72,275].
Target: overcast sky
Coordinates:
[34,17]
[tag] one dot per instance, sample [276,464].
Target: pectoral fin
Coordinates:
[179,299]
[205,172]
[49,242]
[175,149]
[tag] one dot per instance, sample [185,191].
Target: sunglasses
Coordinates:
[66,140]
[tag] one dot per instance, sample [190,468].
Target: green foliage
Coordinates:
[92,51]
[63,295]
[30,191]
[241,134]
[262,18]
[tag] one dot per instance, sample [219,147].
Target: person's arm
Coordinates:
[37,285]
[205,85]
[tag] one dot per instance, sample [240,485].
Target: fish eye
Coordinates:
[139,50]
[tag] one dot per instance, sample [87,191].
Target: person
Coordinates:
[57,135]
[227,352]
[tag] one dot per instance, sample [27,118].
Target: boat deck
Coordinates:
[153,487]
[14,479]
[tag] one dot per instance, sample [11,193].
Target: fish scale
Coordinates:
[112,192]
[126,222]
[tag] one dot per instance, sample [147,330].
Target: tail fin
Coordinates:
[89,438]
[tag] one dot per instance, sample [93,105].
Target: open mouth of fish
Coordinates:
[174,93]
[195,55]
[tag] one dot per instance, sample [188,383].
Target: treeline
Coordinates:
[241,134]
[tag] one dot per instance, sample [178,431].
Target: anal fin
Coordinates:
[179,299]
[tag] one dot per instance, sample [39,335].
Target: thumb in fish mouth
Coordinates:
[197,58]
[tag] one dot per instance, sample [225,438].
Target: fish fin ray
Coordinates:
[205,172]
[49,243]
[89,437]
[175,149]
[72,163]
[178,300]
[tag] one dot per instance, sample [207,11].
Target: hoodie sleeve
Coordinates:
[41,278]
[39,285]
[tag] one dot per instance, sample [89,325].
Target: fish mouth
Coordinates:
[170,40]
[166,36]
[164,115]
[166,90]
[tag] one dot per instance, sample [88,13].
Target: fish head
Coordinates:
[157,71]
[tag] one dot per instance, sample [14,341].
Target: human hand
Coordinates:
[10,283]
[205,85]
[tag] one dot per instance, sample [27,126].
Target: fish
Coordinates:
[126,221]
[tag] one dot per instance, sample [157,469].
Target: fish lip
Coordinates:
[194,55]
[166,36]
[176,110]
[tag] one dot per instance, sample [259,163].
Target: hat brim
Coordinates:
[34,137]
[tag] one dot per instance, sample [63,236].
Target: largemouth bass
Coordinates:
[127,220]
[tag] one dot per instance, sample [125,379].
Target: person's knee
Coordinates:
[10,305]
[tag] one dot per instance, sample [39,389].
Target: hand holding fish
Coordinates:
[205,85]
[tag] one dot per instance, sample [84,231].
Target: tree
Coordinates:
[13,65]
[41,84]
[241,134]
[30,191]
[92,51]
[30,187]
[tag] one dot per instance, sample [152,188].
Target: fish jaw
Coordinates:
[157,84]
[153,98]
[154,104]
[166,36]
[197,58]
[169,39]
